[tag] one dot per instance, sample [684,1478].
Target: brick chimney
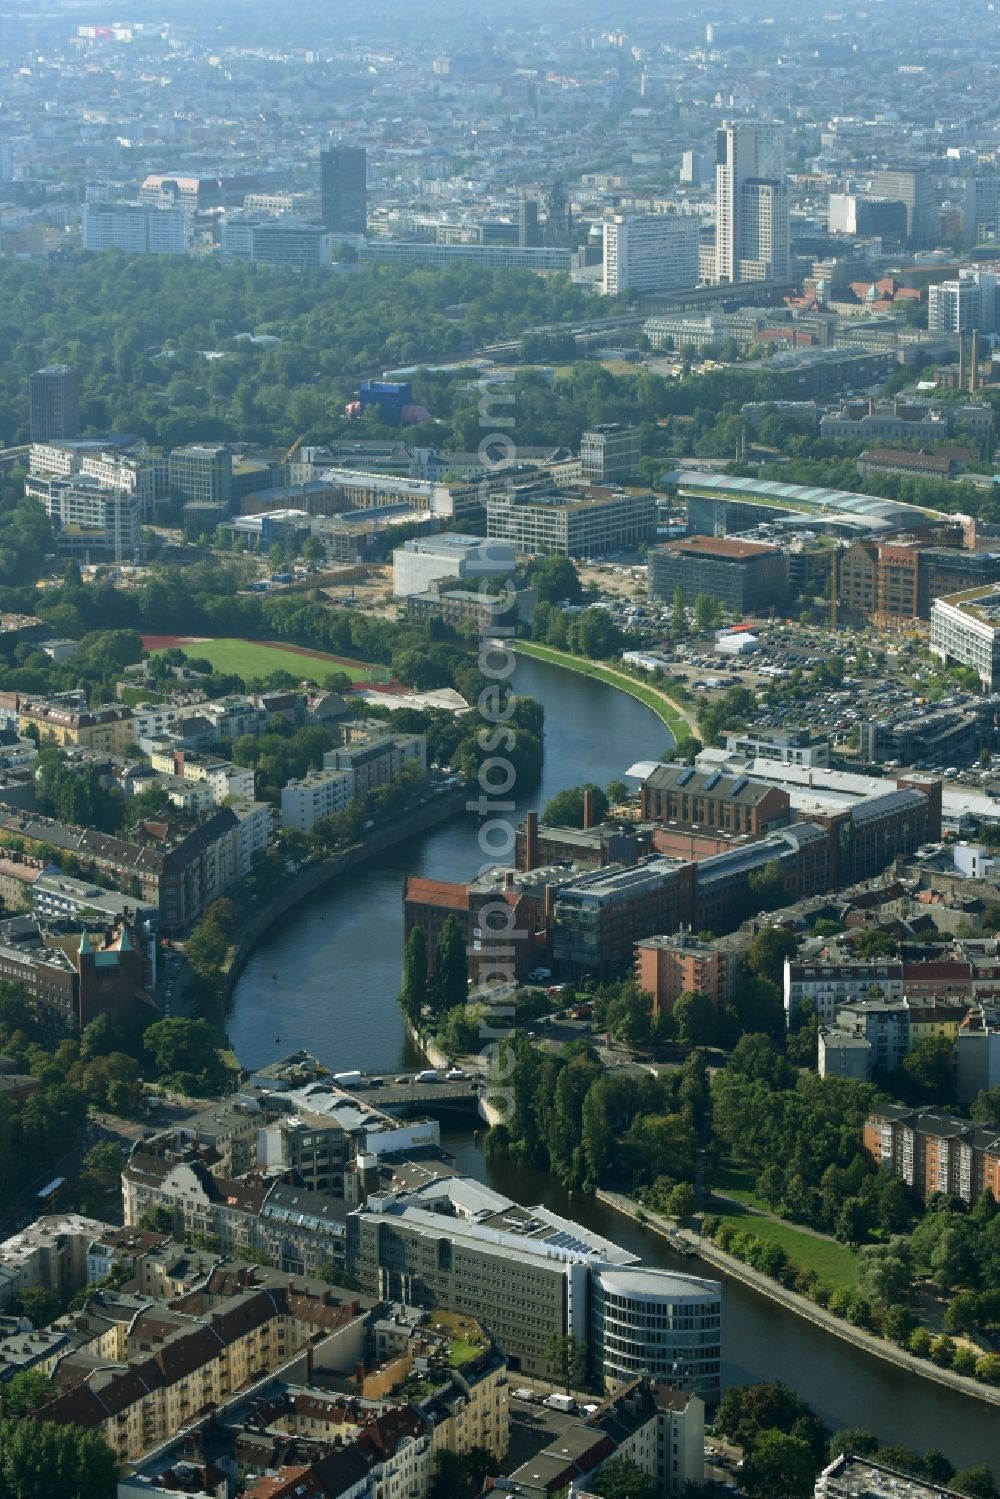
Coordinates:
[531,841]
[588,808]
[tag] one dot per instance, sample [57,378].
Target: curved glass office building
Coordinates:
[655,1323]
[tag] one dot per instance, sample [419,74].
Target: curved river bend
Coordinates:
[326,980]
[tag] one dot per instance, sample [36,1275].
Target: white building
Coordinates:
[751,202]
[139,228]
[965,631]
[318,794]
[90,522]
[828,984]
[966,305]
[254,830]
[426,560]
[655,252]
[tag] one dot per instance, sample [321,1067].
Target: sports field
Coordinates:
[258,658]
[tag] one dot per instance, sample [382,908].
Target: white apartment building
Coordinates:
[255,826]
[654,252]
[966,305]
[830,984]
[319,794]
[751,202]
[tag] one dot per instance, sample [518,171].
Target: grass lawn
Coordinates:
[258,658]
[834,1263]
[737,1181]
[668,714]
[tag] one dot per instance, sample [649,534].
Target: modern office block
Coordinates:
[344,189]
[54,395]
[651,253]
[751,202]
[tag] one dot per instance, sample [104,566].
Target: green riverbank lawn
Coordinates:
[673,717]
[834,1263]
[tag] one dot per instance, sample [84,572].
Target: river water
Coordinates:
[325,979]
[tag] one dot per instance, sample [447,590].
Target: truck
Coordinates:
[564,1403]
[347,1079]
[429,1075]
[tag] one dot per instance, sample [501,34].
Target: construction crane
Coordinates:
[293,450]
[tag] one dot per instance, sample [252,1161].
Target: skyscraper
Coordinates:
[912,186]
[751,202]
[344,189]
[54,403]
[529,230]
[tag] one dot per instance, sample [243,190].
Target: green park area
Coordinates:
[835,1264]
[667,711]
[259,658]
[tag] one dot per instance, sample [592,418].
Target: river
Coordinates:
[325,979]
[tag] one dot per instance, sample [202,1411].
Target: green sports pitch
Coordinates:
[251,659]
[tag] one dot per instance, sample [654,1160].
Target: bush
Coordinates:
[943,1351]
[920,1342]
[988,1368]
[964,1361]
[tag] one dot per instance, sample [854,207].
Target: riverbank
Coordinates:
[763,1285]
[676,718]
[316,875]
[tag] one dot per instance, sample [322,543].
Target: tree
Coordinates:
[566,1359]
[697,1019]
[185,1051]
[857,1440]
[29,1389]
[566,810]
[622,1478]
[930,1067]
[629,1014]
[768,952]
[766,887]
[779,1466]
[747,1411]
[40,1305]
[413,995]
[885,1272]
[449,984]
[41,1459]
[975,1482]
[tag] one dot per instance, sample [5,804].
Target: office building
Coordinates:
[580,523]
[529,229]
[90,522]
[412,252]
[426,560]
[530,1275]
[730,801]
[849,213]
[280,242]
[54,398]
[782,746]
[201,472]
[136,228]
[966,305]
[343,172]
[981,217]
[965,631]
[610,453]
[744,576]
[912,187]
[653,253]
[751,202]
